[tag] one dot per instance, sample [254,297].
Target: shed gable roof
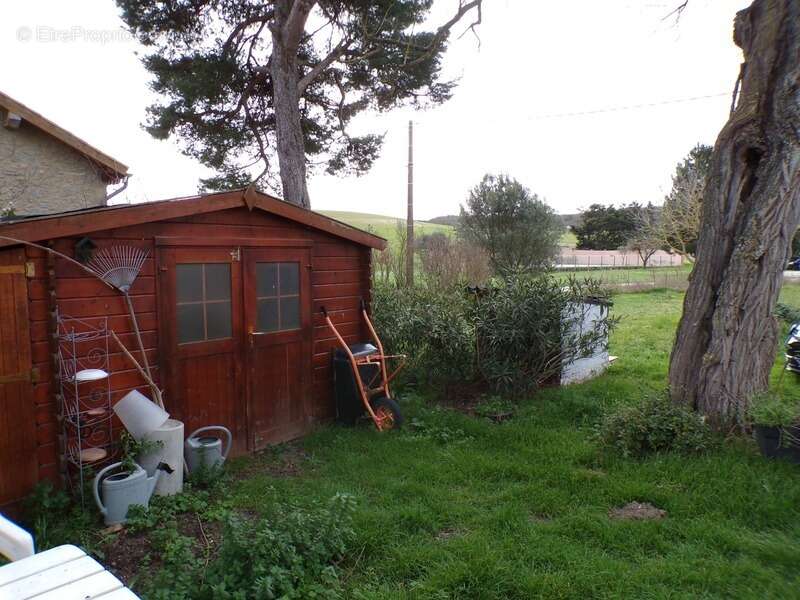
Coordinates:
[112,217]
[114,169]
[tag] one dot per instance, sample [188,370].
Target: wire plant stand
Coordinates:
[84,399]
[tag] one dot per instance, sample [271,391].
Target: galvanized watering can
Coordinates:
[206,451]
[122,489]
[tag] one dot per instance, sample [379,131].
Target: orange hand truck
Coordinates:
[370,375]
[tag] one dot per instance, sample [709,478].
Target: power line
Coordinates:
[628,107]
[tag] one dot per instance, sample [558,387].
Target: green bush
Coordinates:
[787,313]
[651,426]
[431,327]
[526,326]
[512,336]
[773,411]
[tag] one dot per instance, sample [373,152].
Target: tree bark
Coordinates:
[286,98]
[727,336]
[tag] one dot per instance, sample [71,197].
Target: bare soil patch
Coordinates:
[287,460]
[448,533]
[126,554]
[540,518]
[637,511]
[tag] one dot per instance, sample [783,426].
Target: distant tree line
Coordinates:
[645,229]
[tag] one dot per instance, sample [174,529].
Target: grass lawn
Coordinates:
[656,277]
[568,239]
[458,507]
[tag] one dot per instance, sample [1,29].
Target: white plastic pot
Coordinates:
[139,415]
[170,434]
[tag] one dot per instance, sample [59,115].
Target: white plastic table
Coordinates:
[62,573]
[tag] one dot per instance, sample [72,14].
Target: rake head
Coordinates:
[118,265]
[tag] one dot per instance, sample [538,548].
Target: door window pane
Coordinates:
[267,314]
[266,279]
[277,296]
[290,278]
[189,283]
[203,299]
[218,320]
[218,281]
[190,323]
[290,312]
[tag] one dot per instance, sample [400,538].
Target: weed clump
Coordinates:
[293,555]
[653,425]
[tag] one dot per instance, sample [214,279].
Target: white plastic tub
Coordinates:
[139,415]
[170,434]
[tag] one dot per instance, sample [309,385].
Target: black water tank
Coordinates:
[349,406]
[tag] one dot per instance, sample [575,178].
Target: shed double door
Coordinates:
[18,464]
[238,327]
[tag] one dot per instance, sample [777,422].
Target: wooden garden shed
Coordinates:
[228,303]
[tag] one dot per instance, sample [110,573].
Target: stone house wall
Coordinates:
[41,175]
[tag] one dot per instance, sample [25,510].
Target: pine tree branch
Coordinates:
[295,24]
[314,72]
[443,31]
[240,28]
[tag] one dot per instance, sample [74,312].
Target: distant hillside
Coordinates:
[568,239]
[384,226]
[451,220]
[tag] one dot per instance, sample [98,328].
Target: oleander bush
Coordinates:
[512,335]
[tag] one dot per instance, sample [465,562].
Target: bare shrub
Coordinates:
[389,265]
[447,262]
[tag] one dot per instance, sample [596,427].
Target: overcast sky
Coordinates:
[537,65]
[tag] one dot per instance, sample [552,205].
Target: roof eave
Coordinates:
[113,217]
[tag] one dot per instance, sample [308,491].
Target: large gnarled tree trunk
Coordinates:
[727,337]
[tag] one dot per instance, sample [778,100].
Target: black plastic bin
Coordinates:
[349,407]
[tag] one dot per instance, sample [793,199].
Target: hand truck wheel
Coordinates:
[387,413]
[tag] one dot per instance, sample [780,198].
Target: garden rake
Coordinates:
[119,266]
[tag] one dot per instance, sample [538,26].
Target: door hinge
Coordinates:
[236,255]
[31,376]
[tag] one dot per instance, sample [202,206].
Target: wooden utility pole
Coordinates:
[410,215]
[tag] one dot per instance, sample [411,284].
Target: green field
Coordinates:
[386,227]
